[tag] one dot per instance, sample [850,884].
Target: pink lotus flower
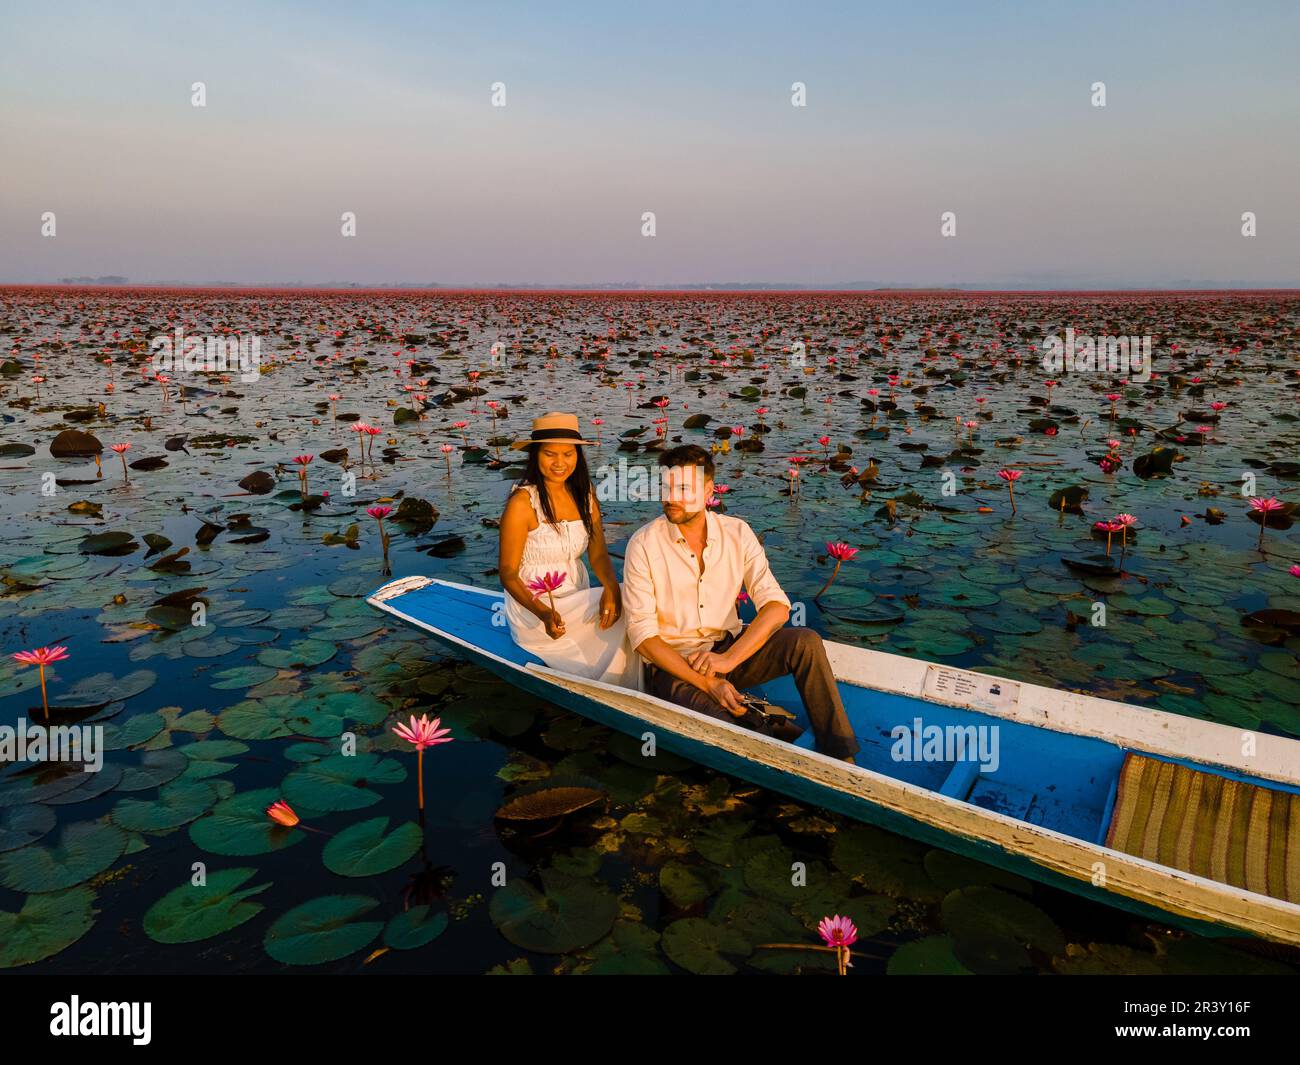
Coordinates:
[423,733]
[121,450]
[1011,477]
[839,933]
[546,583]
[42,657]
[1110,528]
[1294,571]
[842,553]
[1264,506]
[282,813]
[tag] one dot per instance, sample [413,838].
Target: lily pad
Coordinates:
[46,924]
[415,927]
[565,915]
[192,913]
[240,826]
[341,782]
[364,850]
[322,930]
[21,825]
[84,849]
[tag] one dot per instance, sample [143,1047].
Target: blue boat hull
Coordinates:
[1086,767]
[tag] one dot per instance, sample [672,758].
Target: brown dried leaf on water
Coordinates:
[547,801]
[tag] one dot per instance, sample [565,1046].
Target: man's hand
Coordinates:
[709,663]
[724,692]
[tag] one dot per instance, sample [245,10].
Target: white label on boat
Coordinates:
[975,690]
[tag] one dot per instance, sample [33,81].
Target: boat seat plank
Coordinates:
[1204,823]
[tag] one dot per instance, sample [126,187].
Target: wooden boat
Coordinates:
[1178,820]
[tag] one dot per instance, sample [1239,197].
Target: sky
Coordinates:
[684,110]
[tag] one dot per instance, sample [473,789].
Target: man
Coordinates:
[682,574]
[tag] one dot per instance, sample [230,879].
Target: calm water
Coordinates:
[684,871]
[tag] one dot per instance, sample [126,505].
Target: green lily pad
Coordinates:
[47,924]
[240,826]
[101,688]
[683,885]
[190,913]
[699,946]
[324,929]
[565,915]
[84,849]
[981,914]
[364,850]
[415,927]
[21,825]
[151,769]
[931,956]
[629,950]
[177,804]
[341,782]
[238,677]
[301,655]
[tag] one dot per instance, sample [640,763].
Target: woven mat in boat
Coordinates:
[1226,830]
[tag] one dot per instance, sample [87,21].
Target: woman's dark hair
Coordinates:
[578,483]
[687,455]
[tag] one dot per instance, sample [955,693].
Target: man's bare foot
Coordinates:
[848,758]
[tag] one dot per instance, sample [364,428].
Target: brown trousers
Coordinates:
[789,650]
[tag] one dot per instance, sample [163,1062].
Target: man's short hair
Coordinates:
[687,455]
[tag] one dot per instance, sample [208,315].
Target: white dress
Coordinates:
[585,649]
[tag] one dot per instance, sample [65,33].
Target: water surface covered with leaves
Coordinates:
[897,411]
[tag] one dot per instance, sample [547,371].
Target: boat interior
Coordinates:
[1209,820]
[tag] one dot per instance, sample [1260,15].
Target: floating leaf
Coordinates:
[415,927]
[363,849]
[241,827]
[84,849]
[565,915]
[46,924]
[191,913]
[341,782]
[324,929]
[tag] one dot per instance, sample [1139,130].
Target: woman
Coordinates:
[551,518]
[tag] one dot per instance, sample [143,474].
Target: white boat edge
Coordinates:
[1186,894]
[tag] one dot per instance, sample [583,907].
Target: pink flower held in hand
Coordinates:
[547,583]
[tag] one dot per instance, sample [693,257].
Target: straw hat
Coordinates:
[553,428]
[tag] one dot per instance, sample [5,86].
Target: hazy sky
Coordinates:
[385,109]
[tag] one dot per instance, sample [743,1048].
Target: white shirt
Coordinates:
[665,595]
